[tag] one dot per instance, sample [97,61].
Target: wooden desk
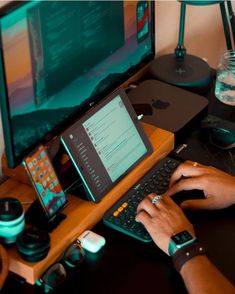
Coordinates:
[81,215]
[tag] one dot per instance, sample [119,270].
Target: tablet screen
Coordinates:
[106,144]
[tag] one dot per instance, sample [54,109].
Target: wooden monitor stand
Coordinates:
[81,214]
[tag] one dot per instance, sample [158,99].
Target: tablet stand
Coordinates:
[36,216]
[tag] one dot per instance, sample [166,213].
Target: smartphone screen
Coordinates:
[45,181]
[142,12]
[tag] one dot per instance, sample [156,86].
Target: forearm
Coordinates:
[201,276]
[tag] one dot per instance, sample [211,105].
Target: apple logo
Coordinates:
[159,104]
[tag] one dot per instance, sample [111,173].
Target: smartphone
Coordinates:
[142,15]
[45,181]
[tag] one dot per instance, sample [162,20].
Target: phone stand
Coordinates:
[36,217]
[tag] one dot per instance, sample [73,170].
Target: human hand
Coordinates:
[4,266]
[162,220]
[218,186]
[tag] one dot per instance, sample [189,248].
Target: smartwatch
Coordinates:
[179,241]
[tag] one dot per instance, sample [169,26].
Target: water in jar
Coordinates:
[225,87]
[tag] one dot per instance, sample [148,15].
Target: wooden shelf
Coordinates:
[81,215]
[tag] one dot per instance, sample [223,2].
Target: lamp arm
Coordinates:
[225,25]
[231,18]
[180,50]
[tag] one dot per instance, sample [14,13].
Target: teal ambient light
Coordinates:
[12,220]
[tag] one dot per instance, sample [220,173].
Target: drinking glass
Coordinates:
[225,79]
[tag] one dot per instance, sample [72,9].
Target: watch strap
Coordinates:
[181,256]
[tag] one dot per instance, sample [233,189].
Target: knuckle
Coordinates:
[140,216]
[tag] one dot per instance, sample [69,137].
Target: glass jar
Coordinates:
[225,80]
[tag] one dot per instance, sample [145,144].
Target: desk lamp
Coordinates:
[189,71]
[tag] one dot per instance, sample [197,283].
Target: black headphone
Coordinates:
[33,244]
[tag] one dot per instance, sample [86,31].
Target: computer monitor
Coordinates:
[58,58]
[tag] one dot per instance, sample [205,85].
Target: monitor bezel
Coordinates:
[13,160]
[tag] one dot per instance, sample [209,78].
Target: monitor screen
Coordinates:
[58,58]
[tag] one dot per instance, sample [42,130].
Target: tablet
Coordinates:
[106,144]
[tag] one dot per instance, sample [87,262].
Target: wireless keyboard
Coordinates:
[121,216]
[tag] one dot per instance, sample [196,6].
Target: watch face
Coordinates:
[182,237]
